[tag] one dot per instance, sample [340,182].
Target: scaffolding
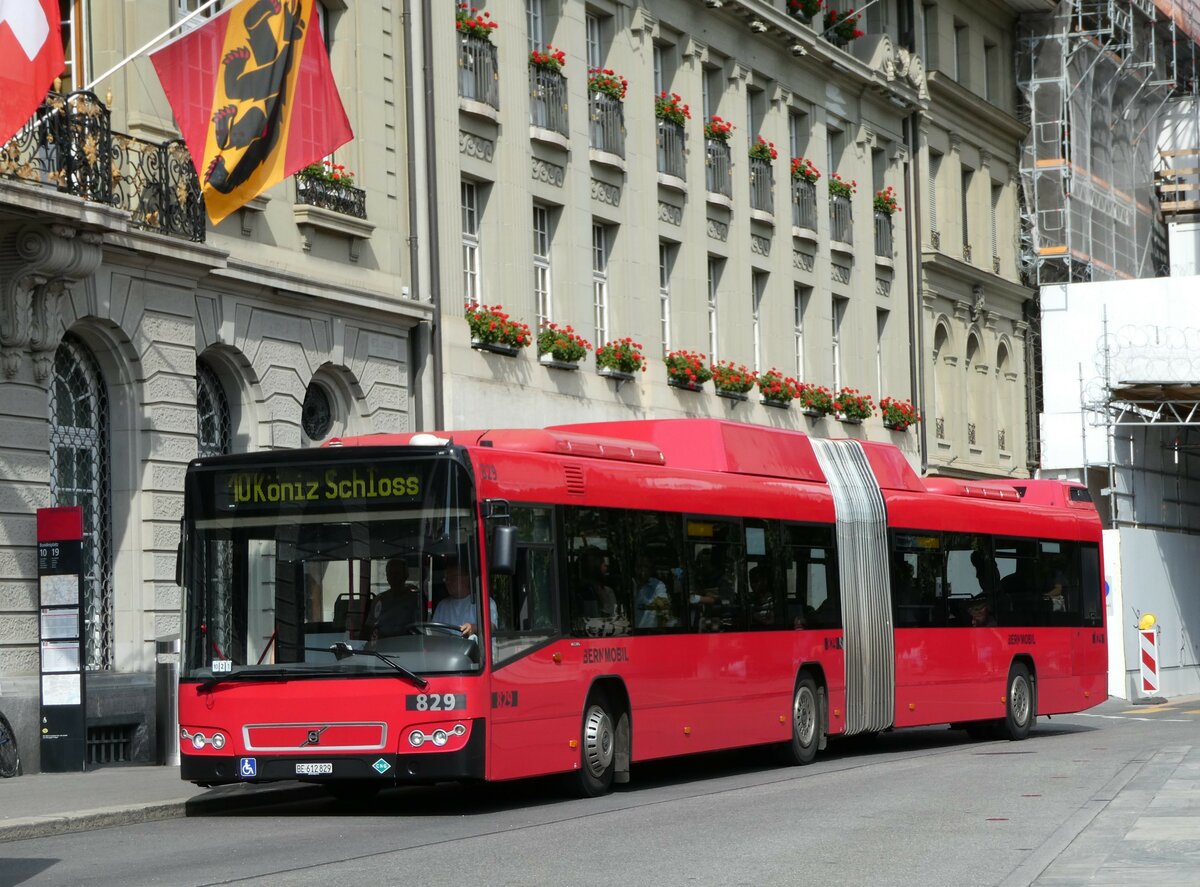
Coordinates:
[1094,79]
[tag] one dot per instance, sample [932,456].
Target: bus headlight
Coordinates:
[439,737]
[416,738]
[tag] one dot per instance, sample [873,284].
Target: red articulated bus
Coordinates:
[651,588]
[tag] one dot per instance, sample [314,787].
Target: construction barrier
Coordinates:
[1149,644]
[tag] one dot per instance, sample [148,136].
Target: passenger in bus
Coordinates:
[458,606]
[652,604]
[398,607]
[596,594]
[1056,593]
[762,602]
[712,602]
[980,611]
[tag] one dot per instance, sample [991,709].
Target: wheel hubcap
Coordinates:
[1018,694]
[804,715]
[597,741]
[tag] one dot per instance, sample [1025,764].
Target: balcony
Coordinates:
[804,205]
[478,72]
[607,117]
[333,196]
[883,235]
[69,145]
[718,166]
[670,150]
[762,185]
[841,220]
[548,100]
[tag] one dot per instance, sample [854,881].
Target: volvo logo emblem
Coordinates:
[314,737]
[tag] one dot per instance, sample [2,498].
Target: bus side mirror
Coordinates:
[503,557]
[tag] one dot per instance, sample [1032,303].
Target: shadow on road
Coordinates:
[476,799]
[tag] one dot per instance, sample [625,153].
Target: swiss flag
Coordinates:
[31,56]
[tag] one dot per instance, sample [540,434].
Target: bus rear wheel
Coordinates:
[597,749]
[806,722]
[1020,709]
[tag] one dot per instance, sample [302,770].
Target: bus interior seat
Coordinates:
[349,613]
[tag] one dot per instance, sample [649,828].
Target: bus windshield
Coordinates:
[330,562]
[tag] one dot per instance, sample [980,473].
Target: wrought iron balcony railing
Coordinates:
[883,235]
[841,220]
[762,185]
[670,149]
[607,115]
[334,196]
[804,205]
[548,100]
[718,165]
[69,145]
[478,72]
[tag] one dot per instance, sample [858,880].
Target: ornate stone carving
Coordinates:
[911,68]
[38,265]
[476,146]
[803,261]
[760,245]
[550,173]
[883,286]
[840,273]
[606,193]
[672,215]
[718,230]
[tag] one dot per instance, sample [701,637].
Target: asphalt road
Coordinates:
[915,807]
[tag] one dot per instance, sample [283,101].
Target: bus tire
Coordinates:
[1019,705]
[807,728]
[597,749]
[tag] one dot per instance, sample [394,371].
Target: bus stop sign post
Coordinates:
[60,618]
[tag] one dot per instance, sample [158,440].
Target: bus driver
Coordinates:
[457,607]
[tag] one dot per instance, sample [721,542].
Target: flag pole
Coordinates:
[204,7]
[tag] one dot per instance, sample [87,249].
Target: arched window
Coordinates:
[976,388]
[317,414]
[1004,400]
[79,475]
[942,385]
[214,436]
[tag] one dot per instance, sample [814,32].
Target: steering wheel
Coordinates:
[444,627]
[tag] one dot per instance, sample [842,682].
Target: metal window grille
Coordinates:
[841,219]
[670,149]
[110,744]
[316,416]
[548,100]
[607,118]
[935,164]
[971,433]
[804,205]
[478,71]
[214,436]
[883,235]
[940,428]
[762,185]
[718,164]
[79,475]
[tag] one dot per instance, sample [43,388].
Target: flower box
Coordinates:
[622,356]
[685,385]
[849,420]
[776,403]
[812,413]
[896,426]
[852,406]
[610,373]
[496,348]
[898,414]
[735,396]
[686,370]
[548,360]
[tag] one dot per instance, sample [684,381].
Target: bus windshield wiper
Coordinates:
[254,674]
[341,650]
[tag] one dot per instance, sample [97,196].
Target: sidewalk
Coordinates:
[44,804]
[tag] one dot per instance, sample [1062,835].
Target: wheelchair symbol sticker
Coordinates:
[248,767]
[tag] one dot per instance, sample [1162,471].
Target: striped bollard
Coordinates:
[1148,641]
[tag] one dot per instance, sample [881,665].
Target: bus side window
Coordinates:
[812,596]
[597,595]
[526,601]
[918,587]
[654,554]
[1090,587]
[1019,599]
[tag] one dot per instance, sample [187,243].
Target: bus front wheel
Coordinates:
[806,722]
[1019,707]
[597,749]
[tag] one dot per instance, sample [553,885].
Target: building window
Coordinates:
[714,281]
[79,476]
[541,265]
[536,22]
[929,35]
[835,147]
[935,166]
[989,71]
[839,316]
[316,415]
[660,82]
[997,193]
[470,242]
[758,289]
[962,59]
[800,296]
[214,434]
[881,319]
[798,133]
[966,209]
[595,44]
[710,91]
[601,253]
[666,261]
